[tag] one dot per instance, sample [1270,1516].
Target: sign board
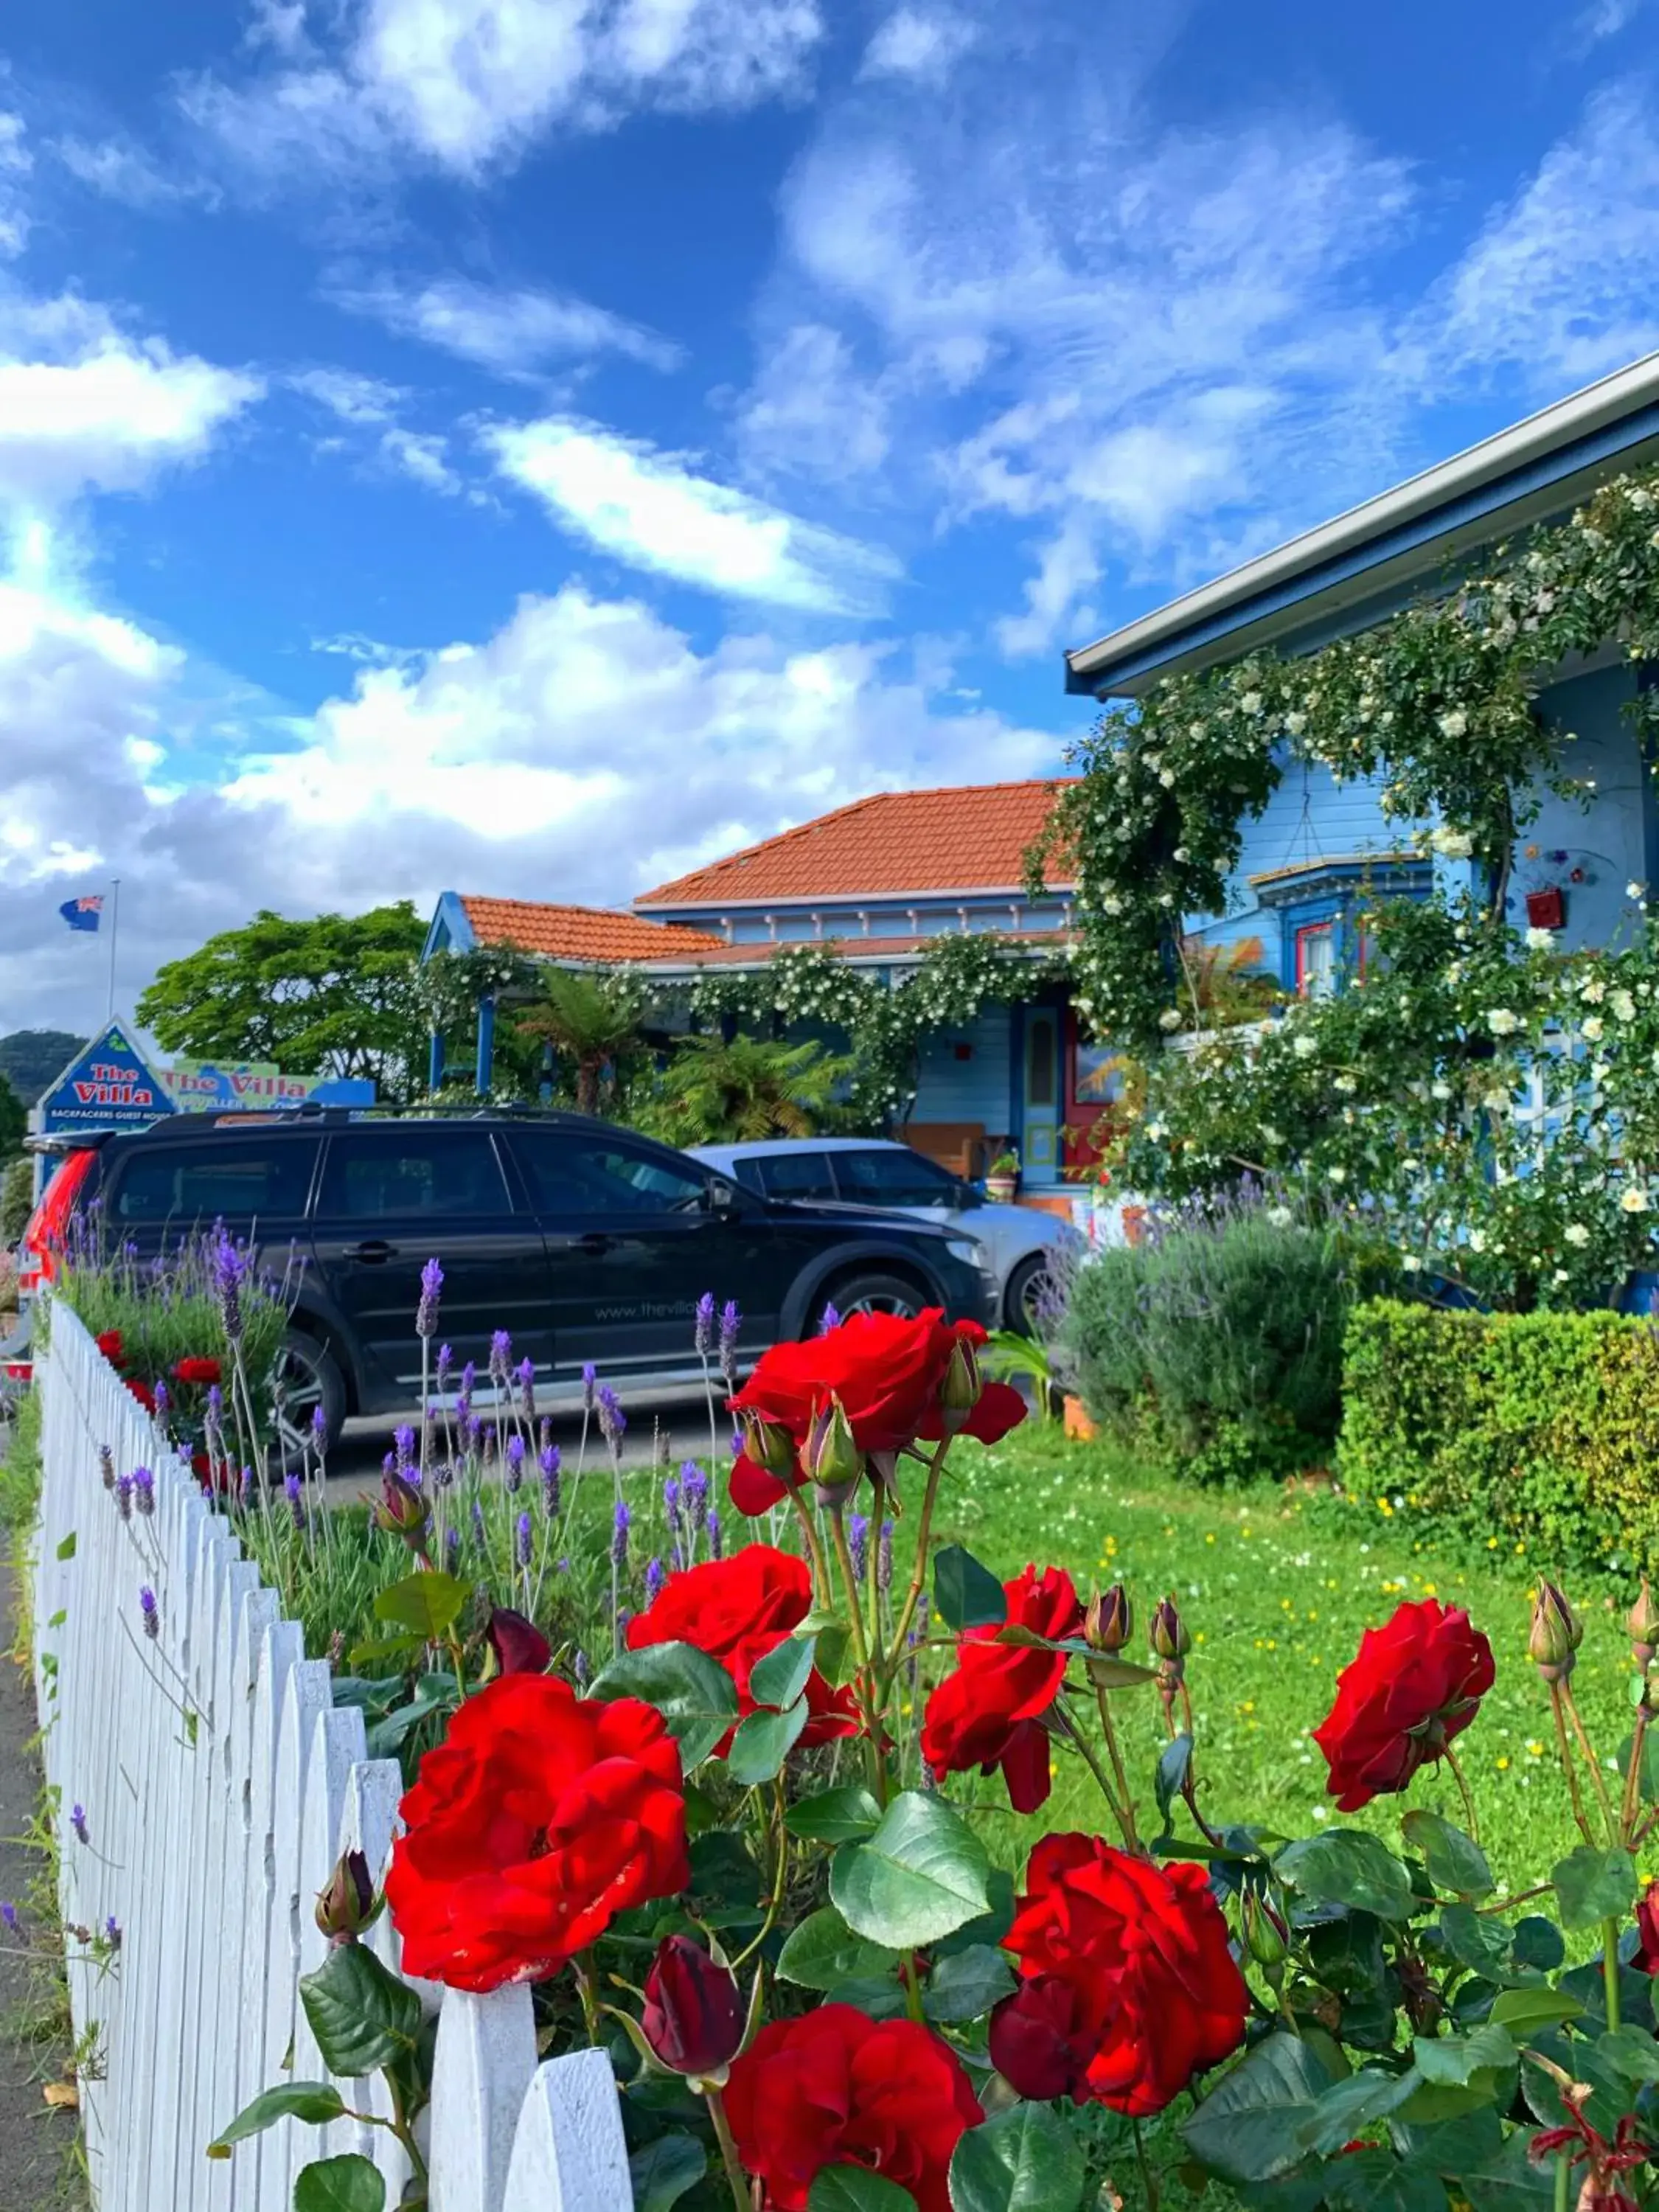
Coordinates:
[202,1086]
[108,1086]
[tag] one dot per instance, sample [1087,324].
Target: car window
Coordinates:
[374,1177]
[244,1181]
[900,1177]
[748,1173]
[569,1173]
[796,1175]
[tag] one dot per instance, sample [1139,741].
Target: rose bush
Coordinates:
[724,1863]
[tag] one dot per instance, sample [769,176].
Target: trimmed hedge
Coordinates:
[1542,1427]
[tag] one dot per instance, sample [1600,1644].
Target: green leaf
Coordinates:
[66,1549]
[1592,1885]
[968,1984]
[1452,2061]
[693,1693]
[1375,2180]
[315,2102]
[1026,2159]
[1247,2130]
[1347,2107]
[1510,2182]
[426,1605]
[855,2189]
[1456,1861]
[965,1593]
[374,1648]
[349,2184]
[1345,1866]
[1174,1765]
[842,1815]
[663,2171]
[361,2014]
[1522,2010]
[822,1953]
[1629,2051]
[780,1678]
[1483,1946]
[1538,1944]
[922,1874]
[835,1653]
[763,1742]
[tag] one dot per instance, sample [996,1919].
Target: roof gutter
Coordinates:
[1507,481]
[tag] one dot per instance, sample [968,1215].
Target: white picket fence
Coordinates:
[207,1841]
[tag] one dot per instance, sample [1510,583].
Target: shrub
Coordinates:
[1215,1347]
[1543,1427]
[16,1199]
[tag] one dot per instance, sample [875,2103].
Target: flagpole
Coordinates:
[114,924]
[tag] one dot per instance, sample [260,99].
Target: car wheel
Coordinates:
[876,1294]
[307,1377]
[1022,1299]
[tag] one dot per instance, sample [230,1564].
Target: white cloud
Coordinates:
[349,395]
[85,407]
[1605,19]
[422,455]
[1561,283]
[468,84]
[810,407]
[917,42]
[512,332]
[15,163]
[652,510]
[120,170]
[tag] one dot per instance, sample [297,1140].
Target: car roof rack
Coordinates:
[310,1114]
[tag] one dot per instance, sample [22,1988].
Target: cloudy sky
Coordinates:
[532,445]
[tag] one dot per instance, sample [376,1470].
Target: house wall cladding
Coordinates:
[208,1840]
[949,1089]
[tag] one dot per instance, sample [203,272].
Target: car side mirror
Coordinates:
[721,1198]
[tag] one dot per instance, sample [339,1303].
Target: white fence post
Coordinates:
[220,1784]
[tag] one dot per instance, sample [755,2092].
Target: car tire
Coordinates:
[1019,1294]
[875,1292]
[306,1376]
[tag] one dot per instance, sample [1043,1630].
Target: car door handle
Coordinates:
[593,1244]
[371,1251]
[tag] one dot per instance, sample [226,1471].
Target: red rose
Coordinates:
[111,1346]
[989,1712]
[694,2015]
[736,1610]
[885,1372]
[201,1371]
[1647,1927]
[1414,1685]
[837,2088]
[143,1393]
[1145,1949]
[1041,2040]
[539,1818]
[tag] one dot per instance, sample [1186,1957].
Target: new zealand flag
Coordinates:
[82,913]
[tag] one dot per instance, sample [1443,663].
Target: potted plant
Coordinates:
[1002,1177]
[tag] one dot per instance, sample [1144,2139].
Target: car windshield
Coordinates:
[895,1176]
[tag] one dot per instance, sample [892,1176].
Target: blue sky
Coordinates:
[532,445]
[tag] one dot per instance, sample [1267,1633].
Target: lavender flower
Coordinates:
[389,1464]
[319,1430]
[469,1379]
[478,1524]
[515,1462]
[9,1914]
[445,1356]
[670,1508]
[545,1434]
[474,1431]
[857,1539]
[500,1356]
[655,1576]
[490,1443]
[426,1312]
[694,1483]
[451,1549]
[713,1534]
[884,1557]
[730,1322]
[526,1540]
[525,1374]
[625,1615]
[227,1271]
[245,1487]
[613,1422]
[163,1400]
[590,1379]
[78,1822]
[702,1333]
[124,1497]
[578,1668]
[143,1491]
[403,1439]
[621,1523]
[113,1933]
[830,1319]
[107,1466]
[150,1612]
[548,1464]
[297,1502]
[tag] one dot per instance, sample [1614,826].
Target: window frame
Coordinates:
[136,1157]
[438,1135]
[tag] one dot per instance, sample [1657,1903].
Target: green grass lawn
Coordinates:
[1277,1590]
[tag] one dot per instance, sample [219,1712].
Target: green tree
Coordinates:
[14,1121]
[719,1093]
[331,996]
[30,1059]
[594,1022]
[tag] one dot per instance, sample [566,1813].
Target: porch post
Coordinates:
[435,1060]
[486,1045]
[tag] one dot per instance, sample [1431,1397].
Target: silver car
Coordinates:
[868,1171]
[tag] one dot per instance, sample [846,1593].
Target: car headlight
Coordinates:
[969,1248]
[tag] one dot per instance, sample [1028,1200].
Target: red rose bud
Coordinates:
[1110,1620]
[770,1446]
[402,1511]
[1267,1936]
[346,1905]
[831,1455]
[694,2011]
[1647,1927]
[961,1389]
[1642,1622]
[516,1645]
[1040,2040]
[1170,1638]
[1556,1634]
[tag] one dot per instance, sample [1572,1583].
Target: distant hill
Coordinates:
[30,1058]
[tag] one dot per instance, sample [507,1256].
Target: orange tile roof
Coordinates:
[864,948]
[582,932]
[971,837]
